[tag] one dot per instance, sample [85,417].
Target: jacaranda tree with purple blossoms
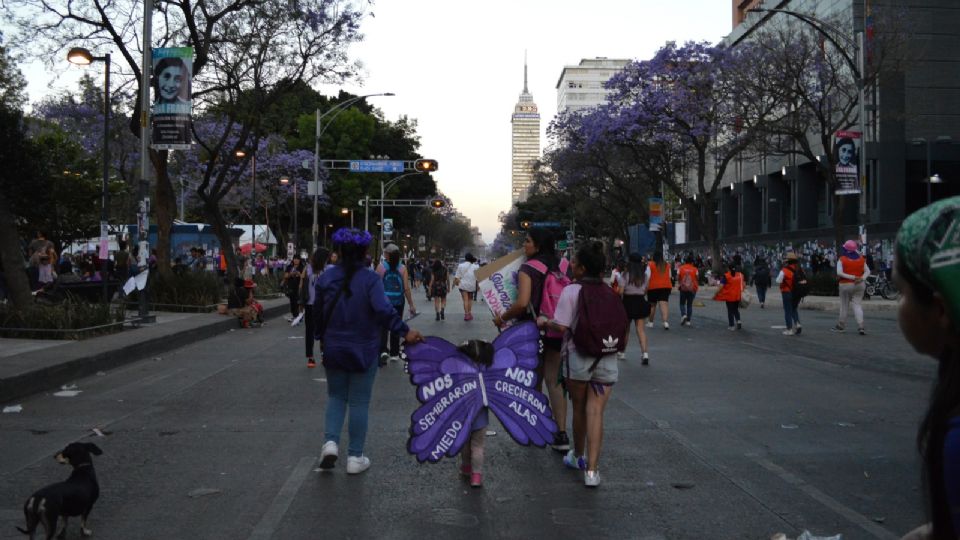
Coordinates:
[248,53]
[696,107]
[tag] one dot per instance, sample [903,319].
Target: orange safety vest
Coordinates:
[659,280]
[730,292]
[684,270]
[853,267]
[787,284]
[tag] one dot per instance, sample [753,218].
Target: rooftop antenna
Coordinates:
[525,91]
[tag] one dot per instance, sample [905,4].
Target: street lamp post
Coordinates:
[858,68]
[315,231]
[82,57]
[385,186]
[296,230]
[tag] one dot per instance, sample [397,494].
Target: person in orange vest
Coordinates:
[658,289]
[687,283]
[785,280]
[730,293]
[852,272]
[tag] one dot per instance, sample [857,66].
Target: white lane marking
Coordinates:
[274,515]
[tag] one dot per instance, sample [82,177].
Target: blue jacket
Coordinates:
[353,332]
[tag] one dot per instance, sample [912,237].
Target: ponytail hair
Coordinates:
[592,258]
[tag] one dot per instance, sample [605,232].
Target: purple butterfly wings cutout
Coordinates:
[453,390]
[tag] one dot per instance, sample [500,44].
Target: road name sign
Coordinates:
[376,166]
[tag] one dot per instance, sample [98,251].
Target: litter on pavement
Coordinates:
[12,409]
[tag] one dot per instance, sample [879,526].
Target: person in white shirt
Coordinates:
[465,279]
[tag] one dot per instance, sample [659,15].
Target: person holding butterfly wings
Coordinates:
[350,308]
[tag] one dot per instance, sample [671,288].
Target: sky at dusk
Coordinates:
[457,68]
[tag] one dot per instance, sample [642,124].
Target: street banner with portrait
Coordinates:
[846,154]
[498,281]
[172,98]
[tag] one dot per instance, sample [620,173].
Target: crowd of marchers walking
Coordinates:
[356,310]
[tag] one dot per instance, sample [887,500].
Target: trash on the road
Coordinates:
[12,409]
[101,373]
[97,432]
[202,492]
[845,424]
[650,484]
[866,474]
[807,535]
[68,387]
[67,393]
[295,337]
[779,536]
[789,426]
[491,433]
[683,485]
[320,380]
[879,519]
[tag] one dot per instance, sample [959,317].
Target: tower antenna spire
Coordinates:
[525,91]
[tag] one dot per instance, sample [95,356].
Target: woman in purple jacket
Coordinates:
[350,308]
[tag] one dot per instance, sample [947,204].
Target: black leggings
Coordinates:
[294,305]
[394,338]
[309,330]
[733,312]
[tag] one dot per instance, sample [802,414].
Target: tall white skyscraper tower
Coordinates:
[526,141]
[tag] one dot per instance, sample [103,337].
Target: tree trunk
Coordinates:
[18,286]
[838,208]
[710,233]
[212,211]
[165,205]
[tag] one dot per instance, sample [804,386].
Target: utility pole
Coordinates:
[143,223]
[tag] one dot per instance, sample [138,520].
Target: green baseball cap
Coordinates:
[928,245]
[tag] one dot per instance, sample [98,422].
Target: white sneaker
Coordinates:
[650,324]
[789,332]
[666,325]
[731,328]
[356,465]
[621,356]
[591,478]
[328,455]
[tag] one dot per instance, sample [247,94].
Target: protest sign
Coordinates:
[498,281]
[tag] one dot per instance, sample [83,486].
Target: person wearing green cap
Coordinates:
[927,273]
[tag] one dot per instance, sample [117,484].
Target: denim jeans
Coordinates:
[761,294]
[790,313]
[686,304]
[353,390]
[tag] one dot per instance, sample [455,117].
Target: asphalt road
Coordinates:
[726,435]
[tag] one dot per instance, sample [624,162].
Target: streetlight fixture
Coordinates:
[931,178]
[253,198]
[82,57]
[345,211]
[316,153]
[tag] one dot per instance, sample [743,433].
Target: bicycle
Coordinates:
[879,284]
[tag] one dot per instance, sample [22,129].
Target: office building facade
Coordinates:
[911,132]
[581,86]
[525,146]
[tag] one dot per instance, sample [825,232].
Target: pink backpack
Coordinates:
[553,284]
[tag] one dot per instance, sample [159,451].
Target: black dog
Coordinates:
[73,497]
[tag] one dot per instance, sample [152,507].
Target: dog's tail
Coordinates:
[30,514]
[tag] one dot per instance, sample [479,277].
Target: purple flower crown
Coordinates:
[352,236]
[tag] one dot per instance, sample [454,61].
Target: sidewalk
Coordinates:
[816,303]
[28,366]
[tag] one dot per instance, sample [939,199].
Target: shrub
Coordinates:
[60,320]
[823,284]
[267,285]
[188,289]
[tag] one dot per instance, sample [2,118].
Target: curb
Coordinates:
[51,368]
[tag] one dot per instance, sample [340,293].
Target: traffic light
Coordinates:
[425,165]
[525,224]
[438,203]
